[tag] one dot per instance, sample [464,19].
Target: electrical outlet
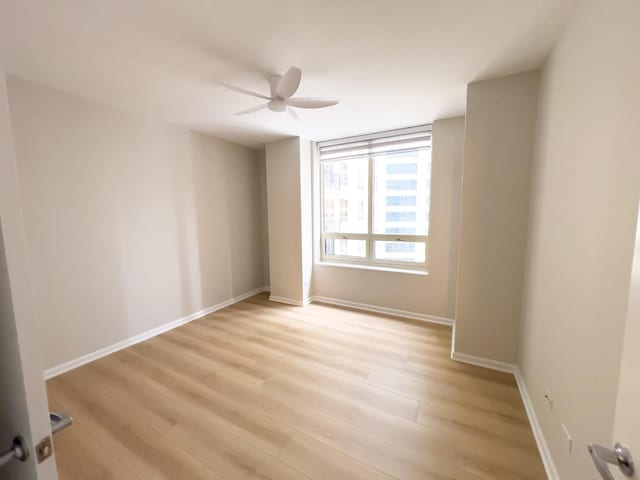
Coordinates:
[548,398]
[568,438]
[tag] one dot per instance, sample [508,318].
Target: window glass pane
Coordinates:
[345,247]
[394,168]
[345,196]
[400,217]
[400,251]
[401,192]
[392,201]
[401,184]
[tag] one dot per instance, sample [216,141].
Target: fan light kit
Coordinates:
[283,87]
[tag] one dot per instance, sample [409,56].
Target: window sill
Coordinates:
[374,268]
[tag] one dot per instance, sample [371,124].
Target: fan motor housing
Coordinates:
[277,105]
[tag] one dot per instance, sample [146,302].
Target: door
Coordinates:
[23,403]
[627,421]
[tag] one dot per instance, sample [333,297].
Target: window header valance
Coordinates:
[415,138]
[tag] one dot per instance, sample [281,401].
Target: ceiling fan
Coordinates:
[283,87]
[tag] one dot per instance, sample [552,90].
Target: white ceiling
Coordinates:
[392,63]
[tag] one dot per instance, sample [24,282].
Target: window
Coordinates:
[375,195]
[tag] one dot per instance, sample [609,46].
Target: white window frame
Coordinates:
[369,260]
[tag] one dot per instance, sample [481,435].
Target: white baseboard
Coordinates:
[543,448]
[290,301]
[484,362]
[90,357]
[386,310]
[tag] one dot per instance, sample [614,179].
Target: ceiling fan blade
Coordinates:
[311,102]
[245,91]
[289,83]
[253,109]
[293,115]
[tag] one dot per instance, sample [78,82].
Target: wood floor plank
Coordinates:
[78,458]
[332,330]
[194,430]
[427,391]
[265,391]
[206,403]
[342,435]
[479,421]
[251,403]
[409,434]
[334,381]
[322,462]
[326,314]
[139,447]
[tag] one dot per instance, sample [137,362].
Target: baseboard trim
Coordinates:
[543,448]
[290,301]
[484,362]
[385,310]
[541,442]
[90,357]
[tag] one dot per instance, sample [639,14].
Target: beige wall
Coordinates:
[432,294]
[306,217]
[131,224]
[288,187]
[583,216]
[498,146]
[262,179]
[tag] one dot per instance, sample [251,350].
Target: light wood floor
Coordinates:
[260,390]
